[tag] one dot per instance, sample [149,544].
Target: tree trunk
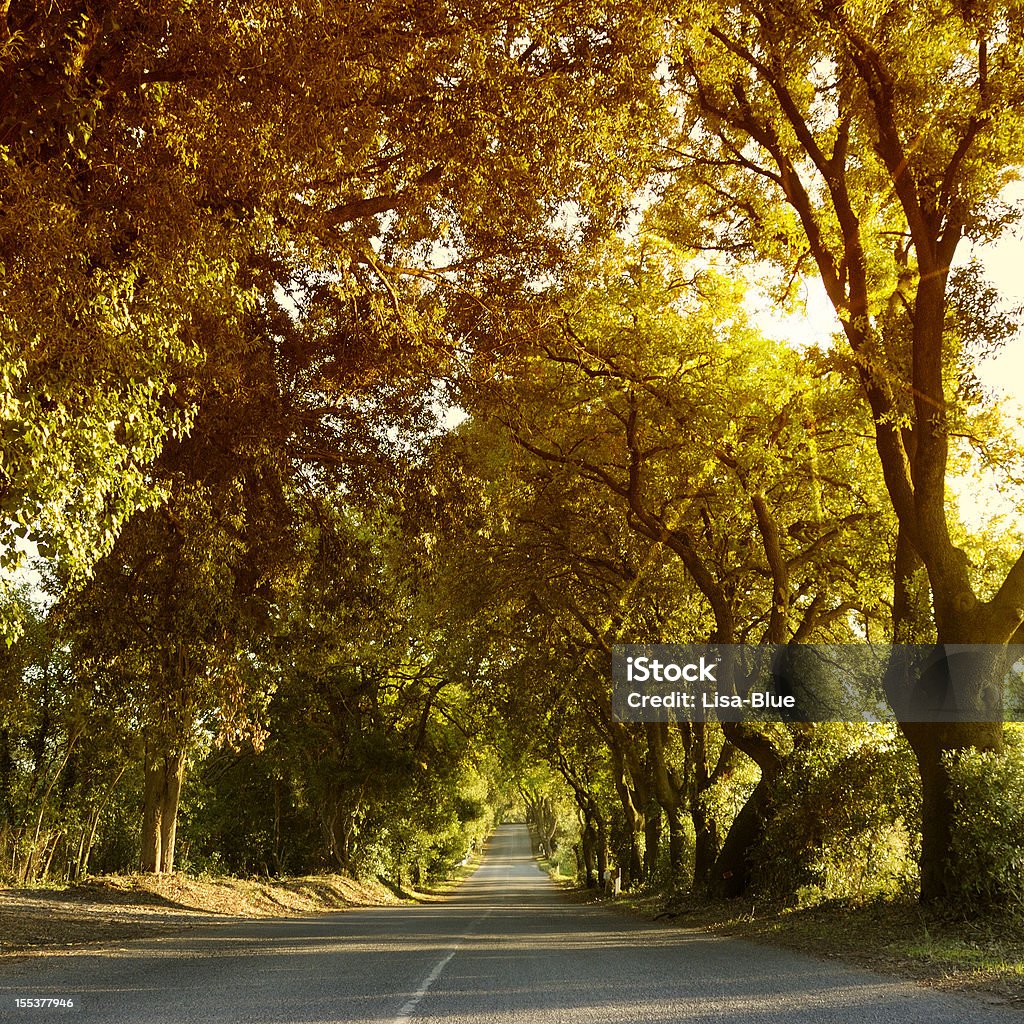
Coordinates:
[632,863]
[588,841]
[329,812]
[602,845]
[676,842]
[940,879]
[49,860]
[733,869]
[164,772]
[734,866]
[275,851]
[701,778]
[670,789]
[707,844]
[652,839]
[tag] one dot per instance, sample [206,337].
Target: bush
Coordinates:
[987,847]
[845,822]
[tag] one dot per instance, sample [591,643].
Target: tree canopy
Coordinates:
[370,372]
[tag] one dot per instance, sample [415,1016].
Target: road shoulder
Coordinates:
[983,959]
[120,908]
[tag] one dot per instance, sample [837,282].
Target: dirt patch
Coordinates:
[122,907]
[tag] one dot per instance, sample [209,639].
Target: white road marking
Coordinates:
[409,1007]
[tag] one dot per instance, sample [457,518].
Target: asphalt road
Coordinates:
[506,948]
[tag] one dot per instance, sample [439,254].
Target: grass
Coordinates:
[438,888]
[121,907]
[43,917]
[895,937]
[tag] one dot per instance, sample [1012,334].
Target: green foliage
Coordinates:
[68,763]
[151,159]
[846,818]
[649,394]
[244,260]
[236,818]
[987,845]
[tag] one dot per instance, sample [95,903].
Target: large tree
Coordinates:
[656,407]
[864,144]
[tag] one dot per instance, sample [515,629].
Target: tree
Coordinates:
[64,751]
[730,452]
[512,560]
[178,655]
[373,731]
[819,138]
[195,580]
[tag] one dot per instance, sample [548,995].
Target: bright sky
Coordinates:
[1004,375]
[1004,263]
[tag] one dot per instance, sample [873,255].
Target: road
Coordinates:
[507,947]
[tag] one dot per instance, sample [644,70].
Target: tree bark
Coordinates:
[164,772]
[700,779]
[933,743]
[936,747]
[602,846]
[275,852]
[734,866]
[588,842]
[670,791]
[652,838]
[632,863]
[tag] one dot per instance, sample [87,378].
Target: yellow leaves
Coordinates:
[136,206]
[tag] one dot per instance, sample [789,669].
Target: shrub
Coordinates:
[987,846]
[845,821]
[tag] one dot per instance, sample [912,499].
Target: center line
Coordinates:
[407,1010]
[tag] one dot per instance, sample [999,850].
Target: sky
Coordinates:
[1004,263]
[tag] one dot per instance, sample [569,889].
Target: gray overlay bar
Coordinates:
[818,682]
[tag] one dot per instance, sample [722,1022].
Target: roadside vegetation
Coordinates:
[111,909]
[891,934]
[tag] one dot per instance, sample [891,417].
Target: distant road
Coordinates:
[506,948]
